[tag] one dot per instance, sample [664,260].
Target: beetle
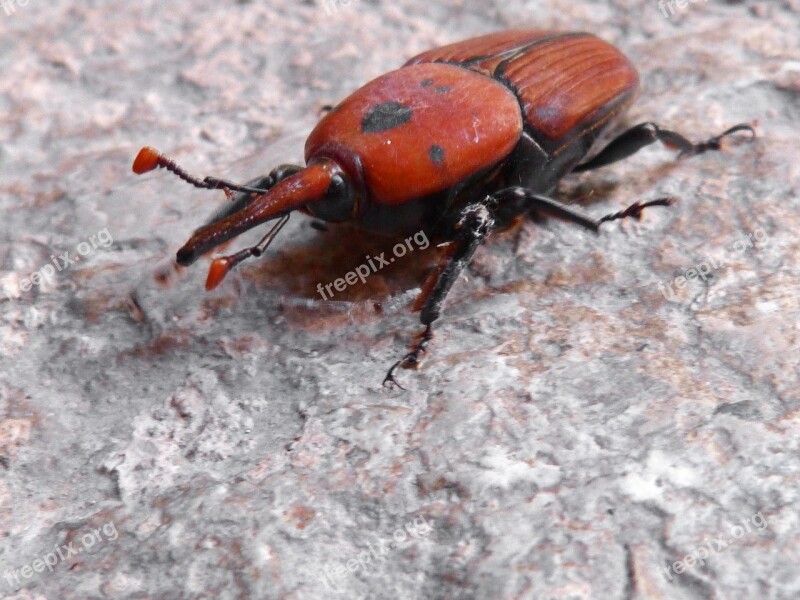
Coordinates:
[460,142]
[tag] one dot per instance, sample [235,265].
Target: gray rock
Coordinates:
[573,433]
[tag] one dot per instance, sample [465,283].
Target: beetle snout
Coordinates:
[186,256]
[307,187]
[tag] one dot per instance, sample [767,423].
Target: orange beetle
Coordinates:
[458,142]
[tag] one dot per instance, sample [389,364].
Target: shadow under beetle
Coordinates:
[460,142]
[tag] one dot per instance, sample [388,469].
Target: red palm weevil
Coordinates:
[459,142]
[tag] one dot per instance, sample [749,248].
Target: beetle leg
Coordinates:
[474,226]
[520,200]
[635,209]
[644,134]
[528,200]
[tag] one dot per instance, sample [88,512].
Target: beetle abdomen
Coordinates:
[569,85]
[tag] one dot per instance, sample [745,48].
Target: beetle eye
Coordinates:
[338,203]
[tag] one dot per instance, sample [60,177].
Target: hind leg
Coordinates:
[644,134]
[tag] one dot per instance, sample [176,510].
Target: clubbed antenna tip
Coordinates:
[147,160]
[216,273]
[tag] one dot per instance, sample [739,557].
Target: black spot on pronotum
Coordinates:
[387,115]
[426,82]
[437,154]
[442,89]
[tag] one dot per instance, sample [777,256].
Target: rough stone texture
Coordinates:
[573,433]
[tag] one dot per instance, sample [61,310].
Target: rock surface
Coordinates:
[574,433]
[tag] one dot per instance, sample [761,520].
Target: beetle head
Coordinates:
[322,189]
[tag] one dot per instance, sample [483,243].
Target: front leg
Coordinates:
[475,224]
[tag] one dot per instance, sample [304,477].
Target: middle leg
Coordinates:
[526,200]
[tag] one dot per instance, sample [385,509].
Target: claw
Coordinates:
[390,375]
[410,360]
[715,143]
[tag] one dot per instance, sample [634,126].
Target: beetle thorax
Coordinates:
[419,130]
